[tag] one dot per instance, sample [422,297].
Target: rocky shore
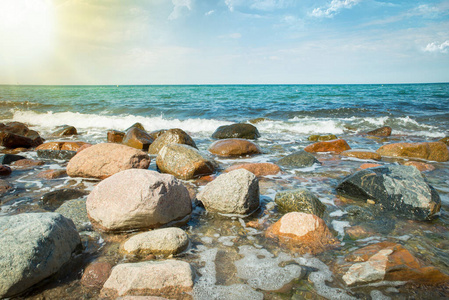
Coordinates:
[159,214]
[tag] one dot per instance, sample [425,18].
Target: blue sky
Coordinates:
[223,41]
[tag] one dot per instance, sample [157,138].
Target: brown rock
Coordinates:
[303,233]
[85,146]
[65,130]
[362,154]
[368,165]
[445,140]
[16,134]
[4,186]
[171,136]
[381,132]
[27,163]
[5,170]
[422,167]
[115,136]
[137,138]
[358,232]
[258,169]
[322,138]
[336,146]
[58,146]
[96,274]
[435,151]
[157,133]
[234,147]
[52,174]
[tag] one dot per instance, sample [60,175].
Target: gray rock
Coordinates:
[55,154]
[301,200]
[299,159]
[7,159]
[77,212]
[236,192]
[34,246]
[401,189]
[239,130]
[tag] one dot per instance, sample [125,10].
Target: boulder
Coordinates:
[234,147]
[170,278]
[5,170]
[300,200]
[16,134]
[361,154]
[165,241]
[34,246]
[322,138]
[137,138]
[7,159]
[52,174]
[422,167]
[258,169]
[183,161]
[436,151]
[115,136]
[171,136]
[401,189]
[238,130]
[137,200]
[65,130]
[299,159]
[302,233]
[106,159]
[236,192]
[335,146]
[59,150]
[96,274]
[54,199]
[380,132]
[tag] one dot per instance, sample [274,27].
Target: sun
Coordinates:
[26,30]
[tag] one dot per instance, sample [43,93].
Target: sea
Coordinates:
[224,249]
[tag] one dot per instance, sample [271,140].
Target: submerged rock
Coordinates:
[299,159]
[96,274]
[401,189]
[54,199]
[76,211]
[238,130]
[335,146]
[436,151]
[422,167]
[59,150]
[258,169]
[4,186]
[171,136]
[361,154]
[300,200]
[234,147]
[380,132]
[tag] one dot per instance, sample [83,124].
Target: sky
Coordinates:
[223,41]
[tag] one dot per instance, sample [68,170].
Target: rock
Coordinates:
[258,120]
[59,150]
[183,161]
[234,147]
[96,274]
[368,165]
[54,199]
[136,125]
[422,167]
[27,163]
[65,130]
[4,186]
[299,159]
[136,200]
[236,192]
[258,169]
[137,138]
[34,246]
[52,174]
[157,133]
[380,132]
[76,211]
[170,278]
[335,146]
[16,135]
[300,200]
[5,170]
[7,159]
[436,151]
[445,140]
[171,136]
[238,130]
[361,154]
[388,261]
[401,189]
[165,241]
[322,138]
[115,136]
[106,159]
[302,233]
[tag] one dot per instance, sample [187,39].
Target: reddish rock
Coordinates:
[52,174]
[5,170]
[137,138]
[234,147]
[85,146]
[422,167]
[381,132]
[362,154]
[435,151]
[368,165]
[115,136]
[258,169]
[303,233]
[335,146]
[58,146]
[27,163]
[96,274]
[16,134]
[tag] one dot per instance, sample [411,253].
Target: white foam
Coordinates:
[340,226]
[337,213]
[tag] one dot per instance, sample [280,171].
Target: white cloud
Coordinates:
[179,7]
[435,47]
[210,12]
[333,8]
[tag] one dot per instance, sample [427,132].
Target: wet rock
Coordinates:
[299,159]
[10,158]
[368,165]
[4,186]
[300,200]
[303,233]
[165,241]
[238,130]
[258,169]
[171,278]
[380,132]
[401,189]
[322,138]
[65,130]
[115,136]
[361,154]
[75,210]
[157,133]
[137,138]
[234,147]
[183,161]
[445,140]
[171,136]
[96,274]
[5,170]
[258,120]
[52,174]
[54,199]
[106,159]
[236,192]
[436,151]
[34,246]
[136,125]
[358,232]
[136,200]
[59,150]
[27,163]
[335,146]
[388,261]
[16,135]
[422,167]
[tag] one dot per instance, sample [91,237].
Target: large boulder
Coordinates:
[59,150]
[258,169]
[301,200]
[335,146]
[183,161]
[171,136]
[299,159]
[34,246]
[170,278]
[236,192]
[137,200]
[234,147]
[106,159]
[238,130]
[436,151]
[137,138]
[401,189]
